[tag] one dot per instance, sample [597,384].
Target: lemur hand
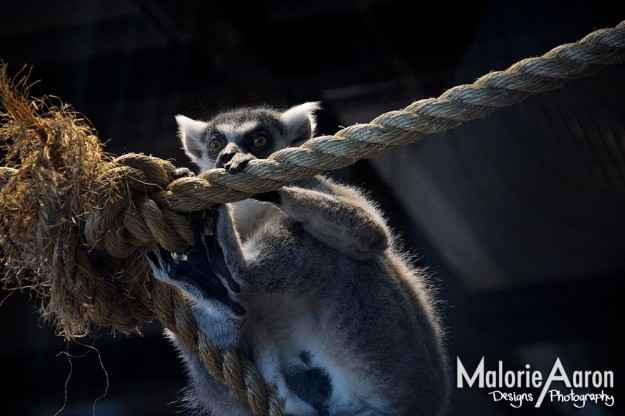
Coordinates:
[182,173]
[201,271]
[238,162]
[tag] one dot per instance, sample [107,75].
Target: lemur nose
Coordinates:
[226,155]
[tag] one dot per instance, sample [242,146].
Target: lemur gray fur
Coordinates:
[306,281]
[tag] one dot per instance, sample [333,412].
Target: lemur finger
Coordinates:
[160,261]
[182,173]
[197,256]
[238,162]
[214,254]
[218,264]
[233,167]
[194,266]
[209,253]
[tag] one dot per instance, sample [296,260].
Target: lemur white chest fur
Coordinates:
[249,214]
[308,283]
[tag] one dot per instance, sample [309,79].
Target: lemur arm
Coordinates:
[337,215]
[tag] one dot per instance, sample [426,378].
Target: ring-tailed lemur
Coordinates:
[306,281]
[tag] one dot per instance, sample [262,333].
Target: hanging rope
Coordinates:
[76,222]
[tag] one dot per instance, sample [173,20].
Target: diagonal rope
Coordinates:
[433,115]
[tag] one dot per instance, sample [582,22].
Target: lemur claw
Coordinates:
[182,173]
[238,162]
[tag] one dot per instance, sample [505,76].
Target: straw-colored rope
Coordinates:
[86,259]
[459,104]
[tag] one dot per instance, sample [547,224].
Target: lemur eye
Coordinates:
[215,145]
[260,141]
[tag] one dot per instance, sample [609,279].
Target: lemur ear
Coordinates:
[191,136]
[300,122]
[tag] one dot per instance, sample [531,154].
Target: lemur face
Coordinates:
[255,131]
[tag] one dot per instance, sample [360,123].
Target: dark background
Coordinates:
[518,216]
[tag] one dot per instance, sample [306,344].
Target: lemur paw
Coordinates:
[201,271]
[182,173]
[238,162]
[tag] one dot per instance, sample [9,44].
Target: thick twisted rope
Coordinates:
[96,272]
[423,117]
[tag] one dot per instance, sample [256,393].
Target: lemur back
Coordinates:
[308,282]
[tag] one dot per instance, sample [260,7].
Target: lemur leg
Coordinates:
[337,215]
[207,275]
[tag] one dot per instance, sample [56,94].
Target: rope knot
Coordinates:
[132,210]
